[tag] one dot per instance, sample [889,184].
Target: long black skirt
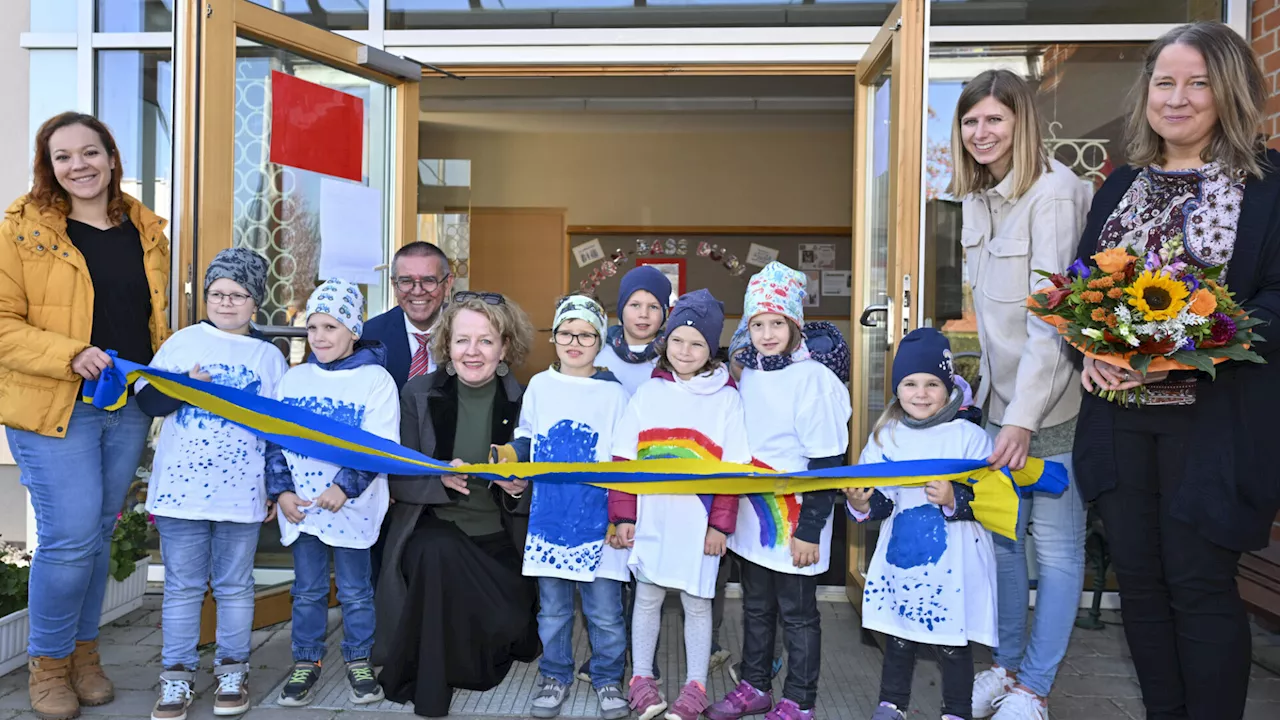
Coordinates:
[468,616]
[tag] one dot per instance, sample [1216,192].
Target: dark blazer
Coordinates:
[388,329]
[1231,491]
[428,420]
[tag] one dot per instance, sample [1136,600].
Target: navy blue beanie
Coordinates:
[924,351]
[703,313]
[645,277]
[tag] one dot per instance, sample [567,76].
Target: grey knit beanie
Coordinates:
[243,266]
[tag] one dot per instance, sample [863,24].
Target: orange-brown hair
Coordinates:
[45,190]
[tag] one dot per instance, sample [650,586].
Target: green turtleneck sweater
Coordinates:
[475,514]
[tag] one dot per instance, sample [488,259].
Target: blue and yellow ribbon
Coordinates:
[995,503]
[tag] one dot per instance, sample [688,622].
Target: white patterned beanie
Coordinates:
[776,289]
[581,307]
[340,300]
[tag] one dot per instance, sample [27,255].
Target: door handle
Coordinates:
[870,310]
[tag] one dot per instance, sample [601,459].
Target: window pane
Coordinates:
[1050,12]
[135,15]
[416,14]
[135,100]
[327,14]
[1081,94]
[51,93]
[53,15]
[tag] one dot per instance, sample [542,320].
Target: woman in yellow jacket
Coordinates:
[84,269]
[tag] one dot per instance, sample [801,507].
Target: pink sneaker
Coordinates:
[788,710]
[645,698]
[690,704]
[741,701]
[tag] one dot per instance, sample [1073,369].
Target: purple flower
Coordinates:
[1188,345]
[1224,328]
[1193,284]
[1078,269]
[1153,261]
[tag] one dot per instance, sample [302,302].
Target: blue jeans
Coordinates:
[353,570]
[77,485]
[1058,526]
[198,553]
[606,628]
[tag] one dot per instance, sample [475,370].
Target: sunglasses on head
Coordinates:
[489,298]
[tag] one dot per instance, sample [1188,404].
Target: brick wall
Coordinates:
[1264,33]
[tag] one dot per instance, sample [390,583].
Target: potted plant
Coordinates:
[15,566]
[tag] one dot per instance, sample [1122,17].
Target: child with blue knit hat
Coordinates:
[689,409]
[797,414]
[643,297]
[325,509]
[932,579]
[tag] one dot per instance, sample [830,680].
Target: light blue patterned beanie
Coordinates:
[340,300]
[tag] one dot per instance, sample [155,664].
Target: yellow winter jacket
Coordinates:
[46,311]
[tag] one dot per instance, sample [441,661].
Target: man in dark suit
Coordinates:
[422,282]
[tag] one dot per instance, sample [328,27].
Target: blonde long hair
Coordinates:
[1029,155]
[1239,95]
[890,418]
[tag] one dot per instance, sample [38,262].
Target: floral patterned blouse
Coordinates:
[1201,208]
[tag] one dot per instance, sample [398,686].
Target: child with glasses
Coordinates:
[206,487]
[568,415]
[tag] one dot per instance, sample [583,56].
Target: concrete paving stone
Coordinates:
[142,617]
[130,703]
[1133,707]
[307,713]
[1261,710]
[1093,708]
[1265,689]
[1104,687]
[115,654]
[127,635]
[14,682]
[135,677]
[1099,665]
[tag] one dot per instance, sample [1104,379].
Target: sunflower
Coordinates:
[1157,296]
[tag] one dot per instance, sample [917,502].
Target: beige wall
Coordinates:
[640,170]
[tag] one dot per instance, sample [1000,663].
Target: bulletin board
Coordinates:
[825,254]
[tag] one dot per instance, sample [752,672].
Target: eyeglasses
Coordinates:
[236,299]
[564,337]
[428,284]
[490,298]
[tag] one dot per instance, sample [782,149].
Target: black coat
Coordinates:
[1231,491]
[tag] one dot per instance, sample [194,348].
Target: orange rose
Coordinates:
[1203,303]
[1113,260]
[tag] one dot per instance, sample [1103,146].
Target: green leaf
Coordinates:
[1140,363]
[1196,360]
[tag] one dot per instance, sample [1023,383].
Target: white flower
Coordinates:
[1093,333]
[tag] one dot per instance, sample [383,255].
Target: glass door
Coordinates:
[290,128]
[886,222]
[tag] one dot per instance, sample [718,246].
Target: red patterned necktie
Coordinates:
[421,359]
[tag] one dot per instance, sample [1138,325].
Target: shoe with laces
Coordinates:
[302,680]
[645,698]
[987,686]
[1020,705]
[741,701]
[613,706]
[550,696]
[888,711]
[175,694]
[692,701]
[364,682]
[789,710]
[232,696]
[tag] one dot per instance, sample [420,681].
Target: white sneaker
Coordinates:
[1020,705]
[987,686]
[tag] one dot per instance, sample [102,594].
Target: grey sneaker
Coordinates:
[364,683]
[550,696]
[888,711]
[232,697]
[613,704]
[175,695]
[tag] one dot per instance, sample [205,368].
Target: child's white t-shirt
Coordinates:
[631,375]
[363,397]
[793,414]
[701,418]
[931,580]
[207,468]
[571,419]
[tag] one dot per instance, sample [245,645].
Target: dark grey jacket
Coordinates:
[428,420]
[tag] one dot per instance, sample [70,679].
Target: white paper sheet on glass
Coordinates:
[350,231]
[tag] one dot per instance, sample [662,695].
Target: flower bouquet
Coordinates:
[1149,314]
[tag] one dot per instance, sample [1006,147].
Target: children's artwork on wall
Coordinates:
[673,268]
[588,252]
[813,289]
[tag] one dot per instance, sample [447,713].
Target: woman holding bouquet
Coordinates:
[1188,480]
[1022,211]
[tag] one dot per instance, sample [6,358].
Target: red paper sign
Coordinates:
[316,128]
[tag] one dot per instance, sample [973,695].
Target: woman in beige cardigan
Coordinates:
[1022,212]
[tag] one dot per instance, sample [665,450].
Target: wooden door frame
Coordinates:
[208,86]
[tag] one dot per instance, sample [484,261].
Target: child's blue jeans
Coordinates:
[196,554]
[353,571]
[606,628]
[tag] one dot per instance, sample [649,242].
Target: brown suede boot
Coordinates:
[87,679]
[50,687]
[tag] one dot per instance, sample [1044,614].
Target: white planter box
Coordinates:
[13,641]
[121,598]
